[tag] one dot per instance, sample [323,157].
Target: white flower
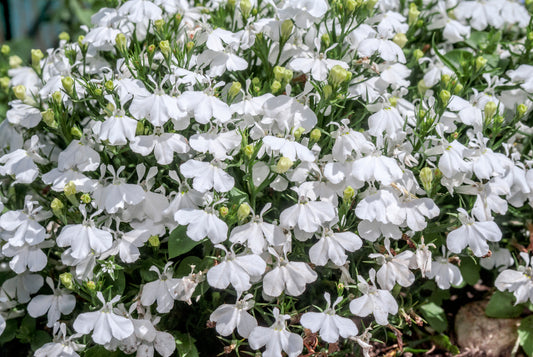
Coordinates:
[21,286]
[202,223]
[60,302]
[116,195]
[288,148]
[104,323]
[164,145]
[276,338]
[228,317]
[207,175]
[117,129]
[330,325]
[163,290]
[205,106]
[332,246]
[377,167]
[519,282]
[62,346]
[394,269]
[217,144]
[158,108]
[444,273]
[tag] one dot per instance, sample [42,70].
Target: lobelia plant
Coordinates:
[231,163]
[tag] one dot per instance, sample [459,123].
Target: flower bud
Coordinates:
[348,194]
[223,211]
[15,61]
[480,62]
[98,92]
[164,46]
[234,89]
[337,75]
[245,7]
[81,42]
[287,75]
[283,165]
[418,54]
[56,205]
[413,14]
[57,97]
[243,211]
[327,90]
[422,88]
[370,4]
[286,29]
[66,280]
[159,24]
[400,39]
[121,42]
[521,110]
[36,57]
[231,3]
[279,73]
[49,118]
[444,95]
[85,198]
[70,188]
[5,50]
[298,132]
[249,151]
[393,101]
[68,84]
[63,36]
[20,91]
[75,131]
[315,135]
[151,49]
[445,78]
[490,109]
[275,87]
[189,46]
[426,177]
[154,241]
[91,285]
[326,40]
[350,5]
[458,88]
[4,82]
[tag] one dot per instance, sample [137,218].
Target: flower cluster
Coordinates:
[258,153]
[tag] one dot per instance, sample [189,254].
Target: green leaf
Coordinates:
[237,196]
[470,271]
[39,339]
[443,341]
[179,243]
[435,316]
[501,306]
[185,345]
[525,335]
[459,57]
[9,332]
[99,351]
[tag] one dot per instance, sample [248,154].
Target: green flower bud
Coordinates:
[49,118]
[243,211]
[350,6]
[154,241]
[15,61]
[68,84]
[521,110]
[327,90]
[4,82]
[121,42]
[298,132]
[444,95]
[370,4]
[81,42]
[20,91]
[151,49]
[231,3]
[286,29]
[348,194]
[279,73]
[66,280]
[164,46]
[418,54]
[413,14]
[287,75]
[249,151]
[5,50]
[36,57]
[422,88]
[426,177]
[490,109]
[98,92]
[283,165]
[70,188]
[275,87]
[75,131]
[246,7]
[57,96]
[445,78]
[189,46]
[393,101]
[91,285]
[337,75]
[63,36]
[109,85]
[85,198]
[56,205]
[315,135]
[256,81]
[326,40]
[234,89]
[400,39]
[530,36]
[458,88]
[223,211]
[480,62]
[159,24]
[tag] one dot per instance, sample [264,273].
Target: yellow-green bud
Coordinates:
[445,78]
[164,46]
[348,194]
[521,110]
[490,109]
[70,188]
[15,61]
[36,57]
[151,49]
[413,14]
[337,75]
[81,42]
[85,198]
[327,90]
[159,24]
[422,88]
[370,4]
[418,54]
[275,86]
[121,42]
[4,82]
[223,211]
[63,36]
[326,40]
[98,92]
[57,96]
[49,118]
[249,150]
[283,165]
[68,84]
[530,36]
[426,177]
[56,206]
[245,7]
[66,280]
[109,85]
[5,50]
[20,91]
[315,135]
[480,62]
[154,241]
[298,132]
[400,39]
[91,285]
[231,3]
[287,75]
[286,29]
[279,73]
[189,46]
[350,5]
[444,95]
[243,211]
[75,131]
[234,89]
[458,88]
[393,101]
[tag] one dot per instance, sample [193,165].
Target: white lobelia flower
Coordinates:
[85,237]
[158,108]
[257,234]
[21,286]
[308,214]
[207,175]
[394,268]
[519,282]
[287,276]
[423,257]
[104,323]
[21,163]
[303,12]
[231,316]
[473,234]
[204,106]
[22,227]
[202,223]
[147,339]
[217,144]
[163,290]
[276,338]
[333,246]
[444,273]
[374,301]
[61,346]
[236,270]
[348,140]
[164,145]
[23,114]
[27,257]
[288,148]
[377,167]
[221,61]
[60,302]
[329,325]
[500,258]
[117,129]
